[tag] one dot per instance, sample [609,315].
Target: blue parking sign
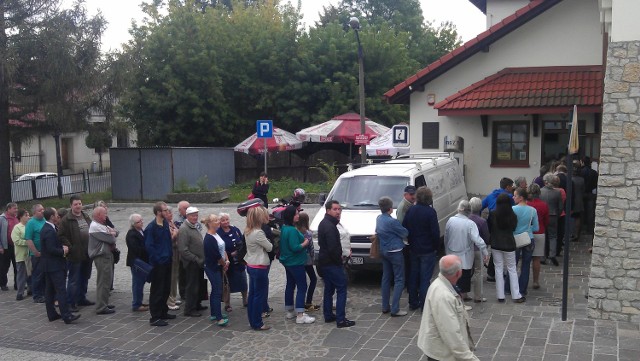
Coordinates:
[264,128]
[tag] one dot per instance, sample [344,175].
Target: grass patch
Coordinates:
[87,199]
[282,188]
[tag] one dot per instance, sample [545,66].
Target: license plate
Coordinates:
[357,260]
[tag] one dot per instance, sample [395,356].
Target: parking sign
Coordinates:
[264,128]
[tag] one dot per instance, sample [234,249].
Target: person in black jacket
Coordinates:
[135,245]
[330,263]
[261,188]
[54,265]
[502,224]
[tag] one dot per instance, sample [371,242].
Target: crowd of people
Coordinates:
[54,251]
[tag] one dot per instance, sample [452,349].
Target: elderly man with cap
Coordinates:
[190,244]
[408,200]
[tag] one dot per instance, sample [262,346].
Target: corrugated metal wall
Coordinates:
[150,173]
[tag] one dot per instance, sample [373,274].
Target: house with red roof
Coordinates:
[503,99]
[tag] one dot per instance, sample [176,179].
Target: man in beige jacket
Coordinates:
[444,330]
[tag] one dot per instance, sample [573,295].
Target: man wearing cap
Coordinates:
[192,258]
[408,200]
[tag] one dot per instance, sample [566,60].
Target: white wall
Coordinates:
[624,20]
[567,34]
[500,9]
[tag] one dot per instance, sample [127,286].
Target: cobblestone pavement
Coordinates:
[529,331]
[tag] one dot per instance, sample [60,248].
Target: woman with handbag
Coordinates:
[236,276]
[527,224]
[502,223]
[135,246]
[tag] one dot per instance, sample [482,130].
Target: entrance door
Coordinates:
[66,149]
[555,140]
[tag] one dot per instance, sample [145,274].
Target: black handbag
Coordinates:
[116,255]
[144,268]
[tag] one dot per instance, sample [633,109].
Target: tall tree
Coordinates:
[20,21]
[60,71]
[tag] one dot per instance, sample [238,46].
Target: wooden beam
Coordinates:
[485,125]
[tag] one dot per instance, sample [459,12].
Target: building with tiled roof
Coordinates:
[506,94]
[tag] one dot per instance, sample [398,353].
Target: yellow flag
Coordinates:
[574,143]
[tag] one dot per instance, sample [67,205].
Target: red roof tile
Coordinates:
[520,90]
[400,93]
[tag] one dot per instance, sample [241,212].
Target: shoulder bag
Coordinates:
[523,239]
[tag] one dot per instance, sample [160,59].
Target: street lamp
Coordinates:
[354,23]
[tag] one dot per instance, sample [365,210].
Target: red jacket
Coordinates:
[543,214]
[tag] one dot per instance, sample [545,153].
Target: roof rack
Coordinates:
[425,155]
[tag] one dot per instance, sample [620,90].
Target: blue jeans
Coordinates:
[215,298]
[265,305]
[138,279]
[313,281]
[392,268]
[524,253]
[37,278]
[77,281]
[258,292]
[296,278]
[335,281]
[421,271]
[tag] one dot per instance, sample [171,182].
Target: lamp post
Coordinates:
[354,23]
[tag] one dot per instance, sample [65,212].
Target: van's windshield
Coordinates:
[363,192]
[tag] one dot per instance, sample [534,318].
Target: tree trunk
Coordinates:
[5,158]
[56,137]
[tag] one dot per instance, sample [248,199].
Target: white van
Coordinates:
[359,190]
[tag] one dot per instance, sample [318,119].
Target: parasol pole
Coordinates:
[573,148]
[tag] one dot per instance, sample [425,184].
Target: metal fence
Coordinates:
[24,163]
[85,182]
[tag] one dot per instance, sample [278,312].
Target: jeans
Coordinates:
[313,281]
[552,235]
[37,278]
[524,253]
[296,278]
[21,277]
[392,268]
[258,292]
[335,281]
[215,298]
[421,271]
[138,279]
[77,281]
[265,304]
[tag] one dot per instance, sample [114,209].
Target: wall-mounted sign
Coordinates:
[453,143]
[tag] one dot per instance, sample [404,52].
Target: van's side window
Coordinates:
[419,181]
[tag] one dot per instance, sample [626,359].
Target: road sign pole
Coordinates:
[265,154]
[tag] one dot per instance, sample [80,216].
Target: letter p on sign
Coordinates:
[264,128]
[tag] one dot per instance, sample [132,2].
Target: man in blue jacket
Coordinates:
[421,221]
[157,241]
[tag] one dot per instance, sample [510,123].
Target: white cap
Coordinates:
[192,210]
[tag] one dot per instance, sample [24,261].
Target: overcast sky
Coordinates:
[467,18]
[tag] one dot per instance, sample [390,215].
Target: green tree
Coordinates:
[20,21]
[100,139]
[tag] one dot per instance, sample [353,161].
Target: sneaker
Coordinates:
[399,314]
[520,300]
[159,322]
[290,315]
[178,302]
[468,308]
[346,323]
[265,314]
[38,300]
[491,279]
[304,318]
[223,322]
[173,307]
[19,297]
